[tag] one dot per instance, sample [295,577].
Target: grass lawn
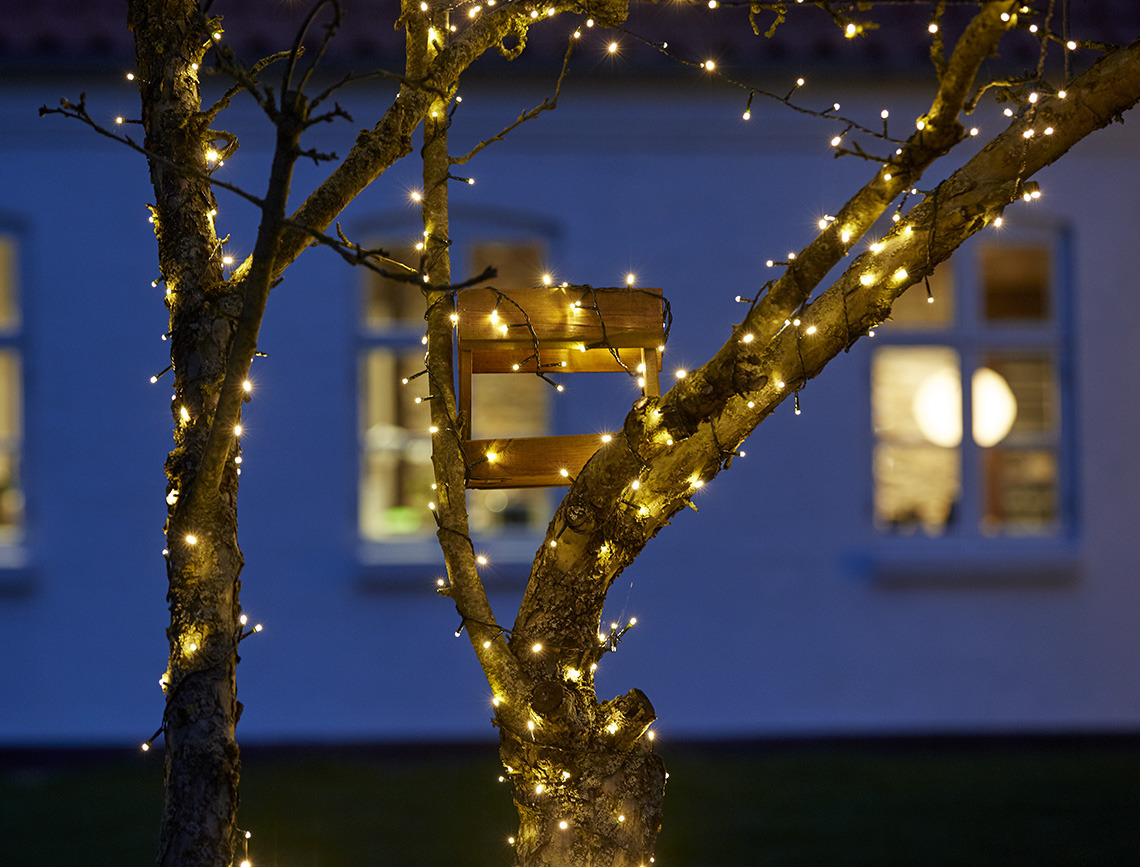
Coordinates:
[1072,801]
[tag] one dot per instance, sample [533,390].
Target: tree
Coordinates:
[586,781]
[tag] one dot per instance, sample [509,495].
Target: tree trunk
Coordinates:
[202,557]
[214,322]
[587,784]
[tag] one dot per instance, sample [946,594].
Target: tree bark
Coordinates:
[203,560]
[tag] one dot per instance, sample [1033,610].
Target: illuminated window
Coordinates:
[950,460]
[395,458]
[11,394]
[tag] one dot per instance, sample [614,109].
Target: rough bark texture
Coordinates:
[203,559]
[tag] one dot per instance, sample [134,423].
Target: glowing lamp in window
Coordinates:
[937,407]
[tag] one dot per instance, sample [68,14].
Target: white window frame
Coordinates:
[963,553]
[403,564]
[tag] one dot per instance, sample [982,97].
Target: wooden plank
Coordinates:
[555,360]
[463,396]
[528,462]
[561,318]
[651,359]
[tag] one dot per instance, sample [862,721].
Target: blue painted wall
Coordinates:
[762,614]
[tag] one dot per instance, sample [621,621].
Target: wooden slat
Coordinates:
[651,361]
[463,394]
[624,318]
[555,360]
[528,462]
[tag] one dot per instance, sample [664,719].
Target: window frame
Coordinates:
[963,553]
[402,564]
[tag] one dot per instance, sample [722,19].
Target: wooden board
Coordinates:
[559,319]
[555,360]
[528,462]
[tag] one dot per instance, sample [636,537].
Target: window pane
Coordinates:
[916,403]
[9,308]
[915,487]
[509,404]
[393,302]
[1033,386]
[914,309]
[1015,281]
[1021,491]
[11,425]
[396,474]
[916,395]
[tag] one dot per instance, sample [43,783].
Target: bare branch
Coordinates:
[79,112]
[546,105]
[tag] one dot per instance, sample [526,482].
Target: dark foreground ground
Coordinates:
[928,801]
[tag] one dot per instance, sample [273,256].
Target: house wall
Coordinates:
[776,609]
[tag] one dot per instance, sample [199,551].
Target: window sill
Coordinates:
[979,562]
[414,565]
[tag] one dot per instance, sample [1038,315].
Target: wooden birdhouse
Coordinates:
[551,331]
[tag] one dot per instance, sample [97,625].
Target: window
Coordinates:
[395,448]
[11,395]
[991,319]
